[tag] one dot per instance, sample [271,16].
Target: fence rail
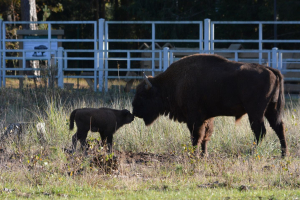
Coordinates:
[155,60]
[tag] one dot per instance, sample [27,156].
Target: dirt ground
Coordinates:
[122,163]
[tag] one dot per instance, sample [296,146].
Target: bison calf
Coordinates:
[103,120]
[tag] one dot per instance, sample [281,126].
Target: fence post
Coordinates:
[128,61]
[106,47]
[0,65]
[236,57]
[206,34]
[280,61]
[200,37]
[101,53]
[212,36]
[166,58]
[1,53]
[260,29]
[153,48]
[274,57]
[171,58]
[60,73]
[96,62]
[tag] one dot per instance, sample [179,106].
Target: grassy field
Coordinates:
[155,162]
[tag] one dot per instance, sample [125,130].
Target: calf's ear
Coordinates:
[125,112]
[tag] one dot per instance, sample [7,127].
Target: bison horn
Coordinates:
[149,85]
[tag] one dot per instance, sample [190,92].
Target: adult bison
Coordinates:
[197,88]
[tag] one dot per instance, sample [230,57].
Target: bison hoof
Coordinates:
[284,153]
[203,155]
[68,151]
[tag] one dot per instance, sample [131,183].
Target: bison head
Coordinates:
[147,103]
[127,116]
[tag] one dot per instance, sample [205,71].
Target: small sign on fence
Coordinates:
[38,46]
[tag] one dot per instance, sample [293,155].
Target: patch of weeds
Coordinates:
[159,188]
[97,160]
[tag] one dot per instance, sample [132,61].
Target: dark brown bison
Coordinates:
[106,121]
[197,88]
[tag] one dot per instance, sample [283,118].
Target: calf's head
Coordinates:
[127,116]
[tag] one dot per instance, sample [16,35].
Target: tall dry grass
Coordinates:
[33,165]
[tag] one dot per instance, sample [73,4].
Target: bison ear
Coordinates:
[148,84]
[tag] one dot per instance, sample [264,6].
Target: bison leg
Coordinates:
[83,145]
[277,126]
[74,142]
[106,139]
[258,127]
[197,134]
[209,126]
[81,136]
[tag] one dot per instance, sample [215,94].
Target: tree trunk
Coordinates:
[102,9]
[97,10]
[28,13]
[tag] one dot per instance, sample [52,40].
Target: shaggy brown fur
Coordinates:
[200,87]
[106,121]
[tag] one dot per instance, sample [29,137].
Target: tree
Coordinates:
[28,13]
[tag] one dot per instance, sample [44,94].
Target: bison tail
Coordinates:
[72,117]
[279,94]
[281,99]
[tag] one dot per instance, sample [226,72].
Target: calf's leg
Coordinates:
[107,139]
[80,135]
[74,142]
[83,146]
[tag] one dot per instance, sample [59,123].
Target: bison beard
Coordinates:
[148,113]
[200,87]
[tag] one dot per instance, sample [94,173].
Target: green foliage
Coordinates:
[57,8]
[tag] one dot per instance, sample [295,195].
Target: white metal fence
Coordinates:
[159,59]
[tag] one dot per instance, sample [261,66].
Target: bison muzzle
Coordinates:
[197,88]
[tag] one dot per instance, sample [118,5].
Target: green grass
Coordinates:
[40,169]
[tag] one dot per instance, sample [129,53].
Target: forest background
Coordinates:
[155,10]
[169,10]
